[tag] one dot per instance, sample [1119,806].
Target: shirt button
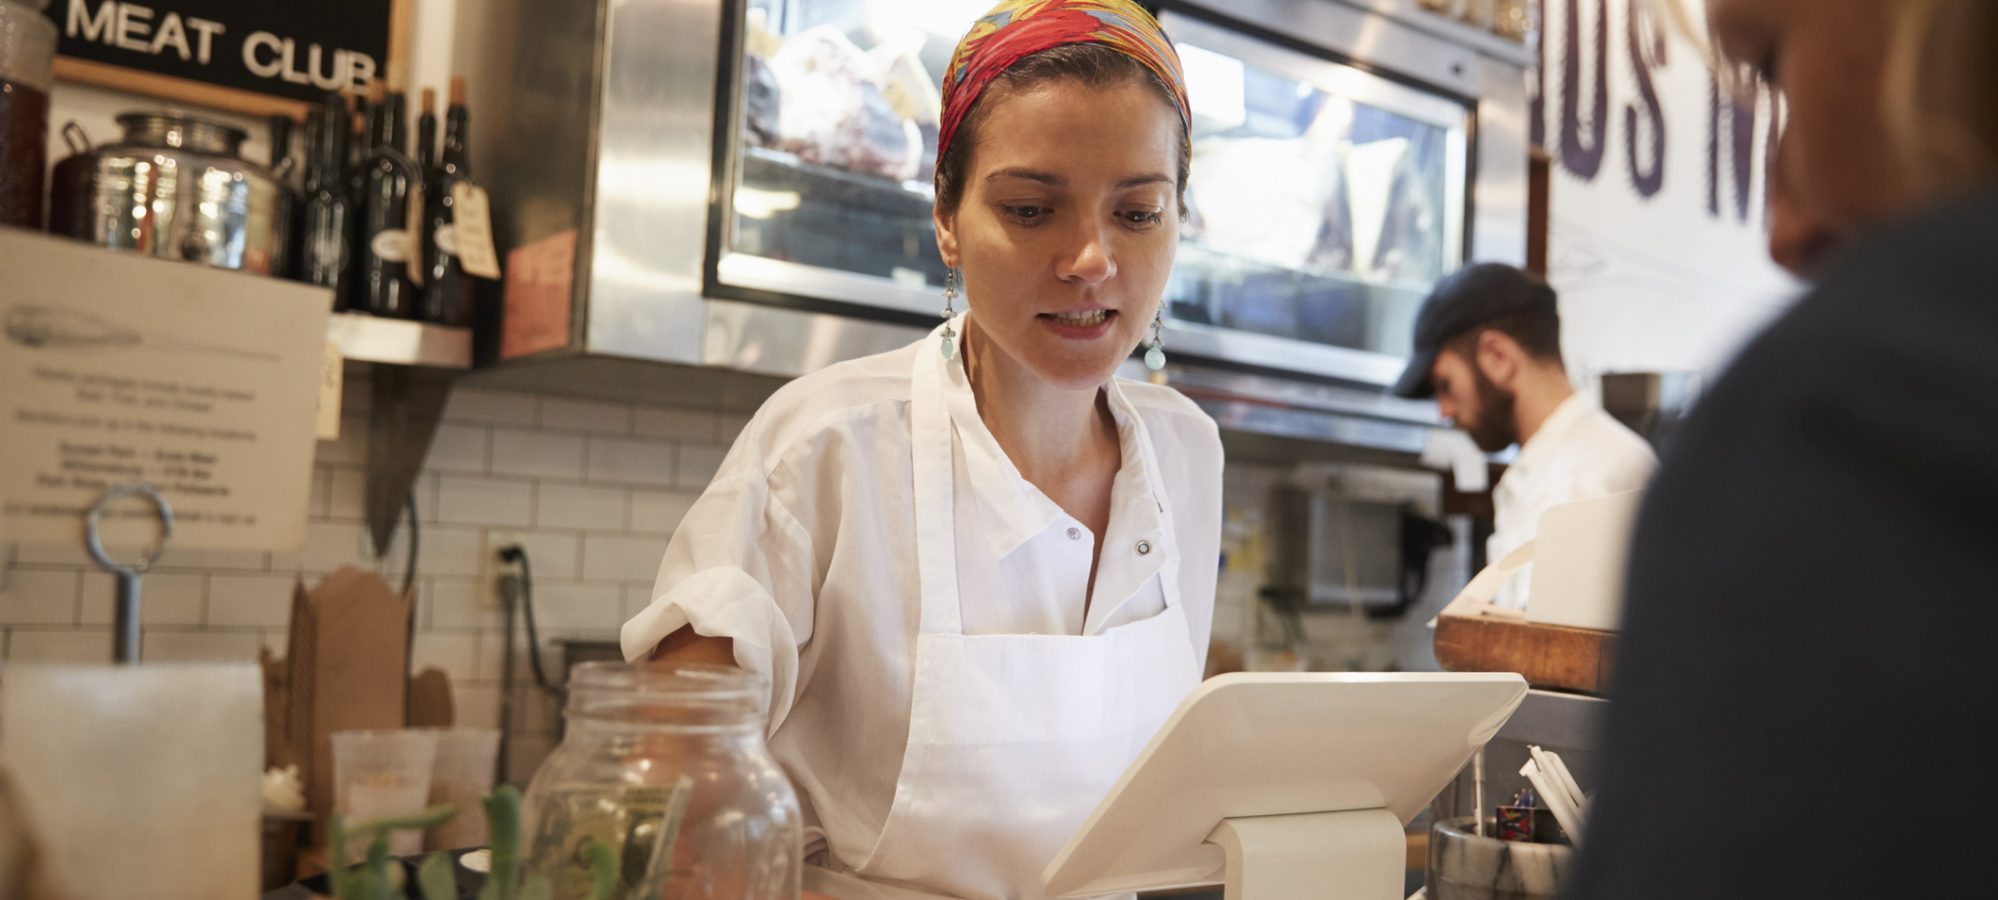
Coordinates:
[1075,534]
[1144,548]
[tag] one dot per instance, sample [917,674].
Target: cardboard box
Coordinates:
[347,669]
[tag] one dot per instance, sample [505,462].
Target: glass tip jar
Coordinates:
[668,767]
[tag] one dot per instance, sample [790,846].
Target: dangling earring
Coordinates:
[950,313]
[1155,356]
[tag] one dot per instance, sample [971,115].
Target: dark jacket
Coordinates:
[1806,703]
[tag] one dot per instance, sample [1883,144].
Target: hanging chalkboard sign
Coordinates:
[254,56]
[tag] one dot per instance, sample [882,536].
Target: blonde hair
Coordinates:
[1940,98]
[1942,90]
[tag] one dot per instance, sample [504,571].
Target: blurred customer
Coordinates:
[1488,348]
[1803,704]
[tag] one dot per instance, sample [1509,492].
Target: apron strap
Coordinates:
[932,442]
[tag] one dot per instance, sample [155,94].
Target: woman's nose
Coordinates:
[1087,258]
[1799,239]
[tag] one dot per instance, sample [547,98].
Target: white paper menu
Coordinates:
[117,368]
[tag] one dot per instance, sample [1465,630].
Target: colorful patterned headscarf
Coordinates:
[1016,29]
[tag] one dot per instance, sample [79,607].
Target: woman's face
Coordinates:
[1068,224]
[1837,171]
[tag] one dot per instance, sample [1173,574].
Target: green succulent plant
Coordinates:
[378,877]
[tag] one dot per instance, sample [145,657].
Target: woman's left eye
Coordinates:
[1141,217]
[1026,215]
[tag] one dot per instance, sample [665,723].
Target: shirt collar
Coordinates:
[1013,509]
[1562,421]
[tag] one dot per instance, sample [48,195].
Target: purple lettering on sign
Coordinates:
[1582,155]
[1645,57]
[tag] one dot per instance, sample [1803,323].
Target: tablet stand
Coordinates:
[1353,855]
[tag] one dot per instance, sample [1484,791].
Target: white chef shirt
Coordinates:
[1579,452]
[802,550]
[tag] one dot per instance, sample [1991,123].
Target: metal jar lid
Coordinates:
[181,132]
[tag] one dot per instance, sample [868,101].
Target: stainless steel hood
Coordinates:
[602,118]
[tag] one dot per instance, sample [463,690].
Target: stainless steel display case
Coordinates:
[698,247]
[1325,199]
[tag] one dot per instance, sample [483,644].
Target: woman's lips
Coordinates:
[1079,326]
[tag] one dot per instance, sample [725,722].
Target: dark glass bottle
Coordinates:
[447,290]
[290,169]
[387,252]
[426,133]
[364,133]
[281,126]
[327,225]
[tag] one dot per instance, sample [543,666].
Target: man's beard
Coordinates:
[1493,431]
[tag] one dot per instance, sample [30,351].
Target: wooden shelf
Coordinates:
[400,342]
[1547,656]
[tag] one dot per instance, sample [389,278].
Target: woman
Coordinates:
[1803,700]
[979,570]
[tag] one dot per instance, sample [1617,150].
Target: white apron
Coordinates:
[1013,739]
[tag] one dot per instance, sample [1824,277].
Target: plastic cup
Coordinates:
[462,777]
[383,773]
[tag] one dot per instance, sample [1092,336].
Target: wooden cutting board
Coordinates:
[1547,656]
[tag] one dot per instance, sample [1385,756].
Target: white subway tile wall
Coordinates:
[635,599]
[248,601]
[459,604]
[593,416]
[623,559]
[490,408]
[459,448]
[40,597]
[319,506]
[164,645]
[614,460]
[555,555]
[167,598]
[487,501]
[574,606]
[581,506]
[45,645]
[660,512]
[592,490]
[346,491]
[534,454]
[679,424]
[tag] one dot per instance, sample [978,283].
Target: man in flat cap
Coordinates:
[1488,349]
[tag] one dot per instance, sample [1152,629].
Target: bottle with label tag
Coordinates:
[323,237]
[387,250]
[447,291]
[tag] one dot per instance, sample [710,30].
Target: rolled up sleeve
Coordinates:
[738,567]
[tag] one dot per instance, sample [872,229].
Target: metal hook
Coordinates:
[153,555]
[125,632]
[74,135]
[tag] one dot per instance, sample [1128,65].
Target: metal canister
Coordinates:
[177,187]
[1467,866]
